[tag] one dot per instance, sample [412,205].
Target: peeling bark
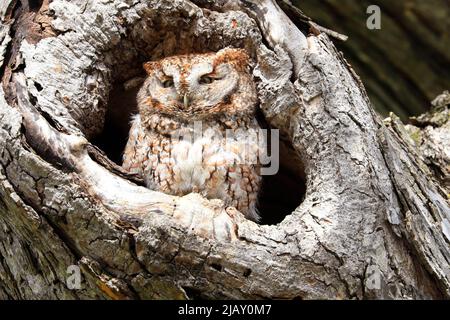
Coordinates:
[372,207]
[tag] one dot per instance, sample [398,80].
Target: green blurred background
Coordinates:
[406,63]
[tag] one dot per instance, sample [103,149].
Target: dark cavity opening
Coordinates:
[122,105]
[282,192]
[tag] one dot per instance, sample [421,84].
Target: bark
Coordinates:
[373,222]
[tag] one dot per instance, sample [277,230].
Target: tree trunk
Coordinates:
[374,221]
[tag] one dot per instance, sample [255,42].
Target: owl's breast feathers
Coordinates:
[218,160]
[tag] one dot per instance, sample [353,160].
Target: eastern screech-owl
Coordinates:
[196,130]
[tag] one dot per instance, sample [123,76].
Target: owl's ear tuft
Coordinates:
[149,66]
[239,57]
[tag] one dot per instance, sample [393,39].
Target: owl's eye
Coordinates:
[167,83]
[206,80]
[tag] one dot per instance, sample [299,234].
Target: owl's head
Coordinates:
[198,86]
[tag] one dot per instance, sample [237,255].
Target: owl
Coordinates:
[196,129]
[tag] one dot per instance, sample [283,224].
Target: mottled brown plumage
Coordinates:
[210,101]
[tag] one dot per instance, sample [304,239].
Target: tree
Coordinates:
[372,223]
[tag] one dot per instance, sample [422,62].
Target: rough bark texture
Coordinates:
[404,65]
[430,134]
[371,205]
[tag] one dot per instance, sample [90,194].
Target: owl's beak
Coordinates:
[186,100]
